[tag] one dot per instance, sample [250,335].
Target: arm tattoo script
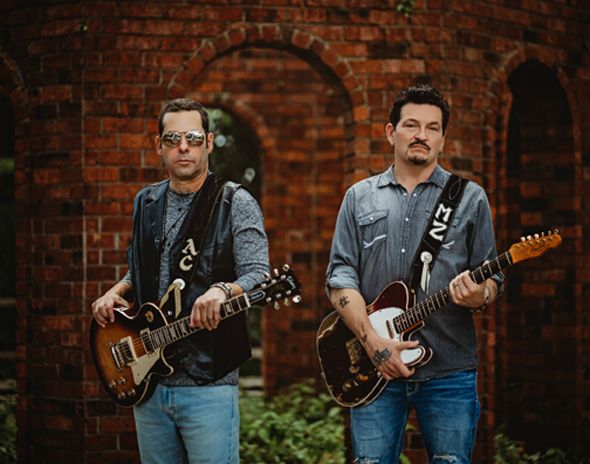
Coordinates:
[381,356]
[343,301]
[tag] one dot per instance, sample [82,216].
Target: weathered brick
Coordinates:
[314,83]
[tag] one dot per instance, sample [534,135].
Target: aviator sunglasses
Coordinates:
[194,138]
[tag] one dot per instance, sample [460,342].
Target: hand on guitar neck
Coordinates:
[465,292]
[385,353]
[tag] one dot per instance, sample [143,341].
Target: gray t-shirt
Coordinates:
[250,254]
[378,231]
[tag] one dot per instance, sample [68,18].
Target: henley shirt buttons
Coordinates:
[403,250]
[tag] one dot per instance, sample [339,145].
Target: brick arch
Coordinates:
[254,120]
[308,47]
[304,174]
[305,45]
[540,305]
[12,85]
[500,98]
[11,80]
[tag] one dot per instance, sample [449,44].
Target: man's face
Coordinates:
[183,152]
[417,138]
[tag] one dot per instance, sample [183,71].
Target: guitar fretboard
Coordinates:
[181,328]
[422,310]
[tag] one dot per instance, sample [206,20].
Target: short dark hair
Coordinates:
[183,104]
[421,95]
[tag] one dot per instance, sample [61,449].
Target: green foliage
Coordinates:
[406,7]
[511,452]
[236,152]
[297,426]
[7,429]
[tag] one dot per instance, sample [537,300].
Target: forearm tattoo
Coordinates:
[380,356]
[343,301]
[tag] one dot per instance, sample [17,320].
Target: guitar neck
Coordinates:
[419,312]
[181,328]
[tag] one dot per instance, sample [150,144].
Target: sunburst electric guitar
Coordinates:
[347,370]
[129,352]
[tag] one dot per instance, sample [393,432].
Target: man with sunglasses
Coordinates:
[194,225]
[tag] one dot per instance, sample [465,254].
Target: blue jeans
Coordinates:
[196,425]
[447,410]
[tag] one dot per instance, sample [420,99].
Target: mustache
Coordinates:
[421,144]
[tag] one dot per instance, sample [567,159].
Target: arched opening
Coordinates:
[536,369]
[300,114]
[236,157]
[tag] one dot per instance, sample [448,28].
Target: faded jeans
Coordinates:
[447,410]
[196,425]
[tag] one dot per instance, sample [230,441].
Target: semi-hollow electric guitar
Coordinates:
[348,372]
[130,351]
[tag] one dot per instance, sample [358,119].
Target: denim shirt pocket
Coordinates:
[373,227]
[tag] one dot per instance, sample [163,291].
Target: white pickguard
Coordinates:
[379,320]
[143,364]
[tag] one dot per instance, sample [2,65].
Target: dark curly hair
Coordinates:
[420,94]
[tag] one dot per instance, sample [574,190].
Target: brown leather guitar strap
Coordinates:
[436,231]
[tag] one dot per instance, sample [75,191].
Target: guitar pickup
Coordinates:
[354,349]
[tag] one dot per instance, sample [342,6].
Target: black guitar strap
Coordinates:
[436,231]
[193,233]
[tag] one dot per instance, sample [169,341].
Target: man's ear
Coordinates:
[390,133]
[158,144]
[209,141]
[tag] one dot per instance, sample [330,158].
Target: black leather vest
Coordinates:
[207,355]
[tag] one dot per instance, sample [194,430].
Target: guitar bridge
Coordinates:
[122,353]
[355,350]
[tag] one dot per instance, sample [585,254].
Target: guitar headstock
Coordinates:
[534,245]
[282,285]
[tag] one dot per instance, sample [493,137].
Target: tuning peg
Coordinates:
[275,272]
[267,275]
[277,305]
[285,267]
[528,237]
[522,239]
[536,236]
[296,299]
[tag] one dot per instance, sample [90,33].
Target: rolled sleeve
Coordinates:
[342,271]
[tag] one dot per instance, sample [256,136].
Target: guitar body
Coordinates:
[347,369]
[128,352]
[119,351]
[348,372]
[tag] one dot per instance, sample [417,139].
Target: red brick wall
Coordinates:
[315,84]
[302,178]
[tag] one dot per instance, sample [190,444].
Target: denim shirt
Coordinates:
[378,231]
